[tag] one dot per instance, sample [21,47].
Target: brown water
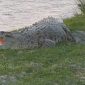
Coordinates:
[16,14]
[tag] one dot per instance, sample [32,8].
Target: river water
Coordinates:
[16,14]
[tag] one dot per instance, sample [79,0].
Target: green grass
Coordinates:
[76,23]
[62,65]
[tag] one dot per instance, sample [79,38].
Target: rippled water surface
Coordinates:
[16,14]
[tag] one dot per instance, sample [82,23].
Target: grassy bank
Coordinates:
[76,23]
[62,65]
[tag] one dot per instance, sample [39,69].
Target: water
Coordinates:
[16,14]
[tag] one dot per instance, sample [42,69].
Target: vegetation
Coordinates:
[76,23]
[62,65]
[82,5]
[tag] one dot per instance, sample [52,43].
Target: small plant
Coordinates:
[82,5]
